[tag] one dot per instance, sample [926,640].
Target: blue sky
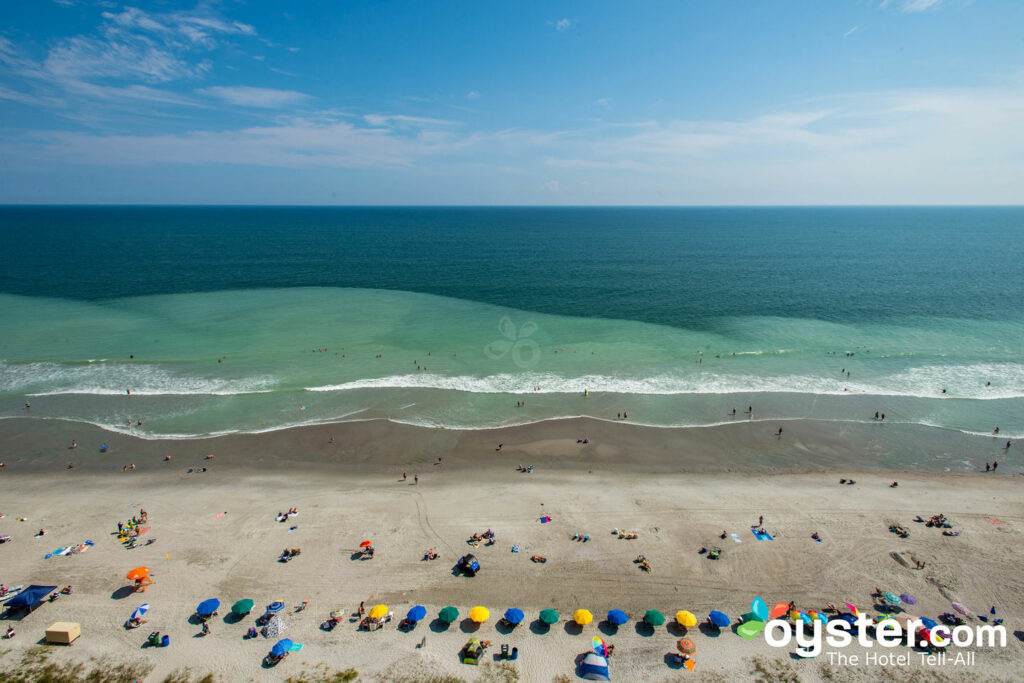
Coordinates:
[479,102]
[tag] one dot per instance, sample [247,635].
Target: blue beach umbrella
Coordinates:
[759,608]
[281,647]
[618,617]
[514,615]
[139,611]
[719,619]
[416,613]
[275,607]
[207,607]
[848,618]
[929,623]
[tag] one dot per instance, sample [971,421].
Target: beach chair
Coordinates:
[154,639]
[504,650]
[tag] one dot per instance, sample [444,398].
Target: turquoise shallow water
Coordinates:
[209,363]
[674,316]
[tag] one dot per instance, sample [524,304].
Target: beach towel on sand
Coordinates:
[761,537]
[736,537]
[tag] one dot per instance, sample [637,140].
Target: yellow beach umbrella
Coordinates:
[686,619]
[479,614]
[378,611]
[582,617]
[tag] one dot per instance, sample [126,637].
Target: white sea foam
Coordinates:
[923,382]
[104,379]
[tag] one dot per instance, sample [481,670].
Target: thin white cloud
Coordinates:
[919,5]
[851,31]
[563,24]
[405,121]
[245,96]
[603,102]
[472,95]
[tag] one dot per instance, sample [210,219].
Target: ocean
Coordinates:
[210,320]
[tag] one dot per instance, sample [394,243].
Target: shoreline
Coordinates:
[806,445]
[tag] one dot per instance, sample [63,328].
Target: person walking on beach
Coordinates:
[404,476]
[362,607]
[780,432]
[416,479]
[987,467]
[760,521]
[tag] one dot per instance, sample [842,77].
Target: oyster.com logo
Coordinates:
[516,344]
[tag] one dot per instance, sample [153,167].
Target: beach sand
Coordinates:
[678,489]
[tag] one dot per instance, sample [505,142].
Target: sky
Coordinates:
[512,103]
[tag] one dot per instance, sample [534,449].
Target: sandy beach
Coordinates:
[678,489]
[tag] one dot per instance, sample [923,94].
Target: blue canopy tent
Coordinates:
[30,597]
[514,615]
[617,617]
[594,667]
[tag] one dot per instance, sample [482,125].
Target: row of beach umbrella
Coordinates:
[581,617]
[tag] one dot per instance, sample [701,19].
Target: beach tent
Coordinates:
[594,667]
[617,617]
[472,651]
[30,597]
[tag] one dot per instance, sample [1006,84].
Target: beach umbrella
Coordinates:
[365,544]
[582,617]
[758,607]
[139,611]
[416,613]
[549,616]
[275,607]
[961,609]
[479,614]
[891,599]
[853,610]
[448,614]
[207,607]
[378,611]
[242,606]
[929,623]
[654,617]
[686,646]
[686,619]
[719,619]
[779,609]
[794,615]
[907,599]
[514,615]
[599,646]
[281,647]
[617,617]
[138,574]
[750,629]
[848,618]
[337,614]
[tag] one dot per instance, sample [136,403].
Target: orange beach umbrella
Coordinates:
[138,574]
[365,544]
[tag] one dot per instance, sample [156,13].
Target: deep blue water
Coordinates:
[684,267]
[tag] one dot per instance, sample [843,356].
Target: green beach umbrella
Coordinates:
[448,614]
[654,617]
[549,616]
[242,606]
